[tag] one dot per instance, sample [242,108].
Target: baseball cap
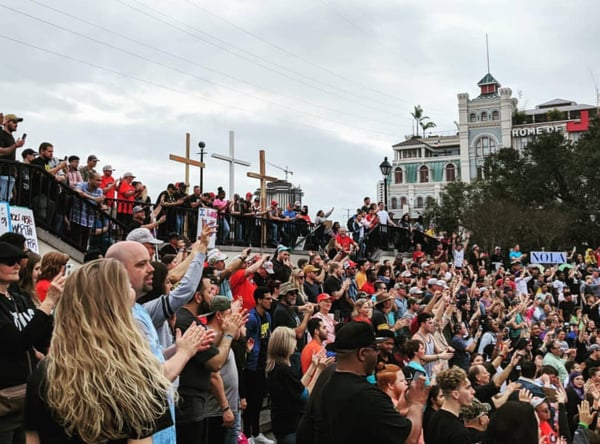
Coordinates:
[352,336]
[281,248]
[415,290]
[406,274]
[442,283]
[248,195]
[108,168]
[28,152]
[349,264]
[215,255]
[536,401]
[268,266]
[128,174]
[92,157]
[384,334]
[143,236]
[432,282]
[309,268]
[475,410]
[593,348]
[138,208]
[323,297]
[274,203]
[218,303]
[10,117]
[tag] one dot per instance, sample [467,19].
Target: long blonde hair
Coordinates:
[102,376]
[282,344]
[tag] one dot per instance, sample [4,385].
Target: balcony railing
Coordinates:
[85,224]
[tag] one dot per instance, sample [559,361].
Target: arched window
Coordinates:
[472,117]
[450,173]
[485,146]
[419,202]
[394,203]
[495,115]
[403,202]
[398,175]
[423,174]
[484,116]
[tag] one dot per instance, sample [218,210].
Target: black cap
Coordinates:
[352,336]
[28,152]
[9,251]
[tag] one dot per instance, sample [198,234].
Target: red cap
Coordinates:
[212,195]
[248,195]
[274,203]
[323,297]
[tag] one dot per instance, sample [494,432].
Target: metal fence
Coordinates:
[86,225]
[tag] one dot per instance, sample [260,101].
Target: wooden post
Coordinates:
[187,161]
[262,176]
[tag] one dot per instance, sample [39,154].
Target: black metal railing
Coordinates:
[59,209]
[86,224]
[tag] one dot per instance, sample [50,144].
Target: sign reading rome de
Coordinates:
[548,257]
[536,131]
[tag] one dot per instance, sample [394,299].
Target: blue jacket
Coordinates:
[253,330]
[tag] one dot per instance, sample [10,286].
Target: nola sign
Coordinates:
[548,257]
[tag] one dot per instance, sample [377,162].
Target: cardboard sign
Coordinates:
[207,216]
[5,224]
[548,257]
[22,222]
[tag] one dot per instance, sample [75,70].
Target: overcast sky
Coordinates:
[324,86]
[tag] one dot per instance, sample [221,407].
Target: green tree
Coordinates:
[421,120]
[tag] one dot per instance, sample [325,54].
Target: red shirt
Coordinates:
[345,241]
[307,353]
[243,287]
[125,208]
[106,181]
[41,288]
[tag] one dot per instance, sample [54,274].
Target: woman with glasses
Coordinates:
[298,278]
[22,327]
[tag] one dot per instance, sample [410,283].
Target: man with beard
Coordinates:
[355,410]
[316,328]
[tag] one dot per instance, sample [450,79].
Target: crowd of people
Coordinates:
[182,344]
[92,206]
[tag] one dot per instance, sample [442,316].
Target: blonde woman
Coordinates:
[363,310]
[297,278]
[100,382]
[288,392]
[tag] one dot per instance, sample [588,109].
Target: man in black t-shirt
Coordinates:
[355,411]
[337,287]
[8,147]
[445,425]
[285,315]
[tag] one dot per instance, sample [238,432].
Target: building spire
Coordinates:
[487,52]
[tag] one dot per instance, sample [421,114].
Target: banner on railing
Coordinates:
[207,216]
[19,220]
[5,225]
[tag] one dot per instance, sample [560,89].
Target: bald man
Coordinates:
[136,259]
[152,317]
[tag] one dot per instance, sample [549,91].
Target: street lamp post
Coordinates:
[386,168]
[201,145]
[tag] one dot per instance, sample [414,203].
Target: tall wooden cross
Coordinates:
[186,160]
[262,176]
[232,160]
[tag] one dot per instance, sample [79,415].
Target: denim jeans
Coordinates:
[7,183]
[231,435]
[286,439]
